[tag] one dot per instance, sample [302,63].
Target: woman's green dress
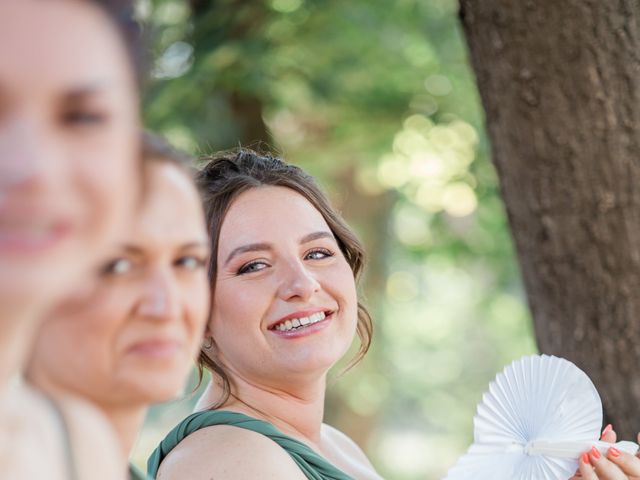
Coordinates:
[312,465]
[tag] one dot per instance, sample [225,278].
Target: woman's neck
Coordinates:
[16,335]
[127,422]
[296,411]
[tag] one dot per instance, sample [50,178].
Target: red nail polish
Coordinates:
[596,453]
[585,458]
[606,430]
[615,453]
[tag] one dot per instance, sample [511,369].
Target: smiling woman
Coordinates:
[284,311]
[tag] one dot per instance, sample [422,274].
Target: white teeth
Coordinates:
[300,322]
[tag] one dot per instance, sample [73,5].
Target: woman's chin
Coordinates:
[155,392]
[305,365]
[156,387]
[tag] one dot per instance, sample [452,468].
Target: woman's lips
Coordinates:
[30,226]
[157,349]
[304,330]
[31,237]
[301,317]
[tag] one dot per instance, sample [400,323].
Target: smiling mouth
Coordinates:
[293,324]
[31,236]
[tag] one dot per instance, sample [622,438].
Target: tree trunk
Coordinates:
[560,83]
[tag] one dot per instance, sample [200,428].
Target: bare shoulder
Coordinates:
[226,452]
[96,451]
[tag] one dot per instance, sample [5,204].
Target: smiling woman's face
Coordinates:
[68,144]
[134,338]
[285,306]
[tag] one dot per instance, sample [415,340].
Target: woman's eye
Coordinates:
[191,262]
[318,254]
[83,118]
[252,267]
[118,266]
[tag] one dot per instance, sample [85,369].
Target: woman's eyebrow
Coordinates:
[190,245]
[131,249]
[78,93]
[316,235]
[259,247]
[251,247]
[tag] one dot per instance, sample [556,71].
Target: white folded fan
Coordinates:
[539,415]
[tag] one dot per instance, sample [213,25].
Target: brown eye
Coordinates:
[190,262]
[118,266]
[83,118]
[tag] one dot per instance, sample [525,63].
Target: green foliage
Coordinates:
[376,99]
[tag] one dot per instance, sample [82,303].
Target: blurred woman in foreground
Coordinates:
[131,342]
[284,311]
[68,176]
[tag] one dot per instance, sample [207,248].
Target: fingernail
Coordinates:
[596,453]
[585,458]
[615,453]
[606,430]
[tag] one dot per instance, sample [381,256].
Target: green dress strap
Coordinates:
[314,466]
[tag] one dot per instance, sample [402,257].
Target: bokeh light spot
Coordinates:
[459,199]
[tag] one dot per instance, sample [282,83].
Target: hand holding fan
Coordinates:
[540,413]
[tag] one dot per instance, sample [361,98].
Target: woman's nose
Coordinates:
[298,282]
[160,296]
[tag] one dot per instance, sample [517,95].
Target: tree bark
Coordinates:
[560,83]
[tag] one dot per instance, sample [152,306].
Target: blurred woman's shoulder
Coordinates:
[60,438]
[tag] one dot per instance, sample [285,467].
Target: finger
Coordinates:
[604,469]
[585,469]
[608,434]
[577,475]
[629,464]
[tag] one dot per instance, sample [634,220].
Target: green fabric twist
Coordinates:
[312,465]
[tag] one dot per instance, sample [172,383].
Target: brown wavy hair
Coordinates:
[222,179]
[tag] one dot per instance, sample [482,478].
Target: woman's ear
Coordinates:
[207,330]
